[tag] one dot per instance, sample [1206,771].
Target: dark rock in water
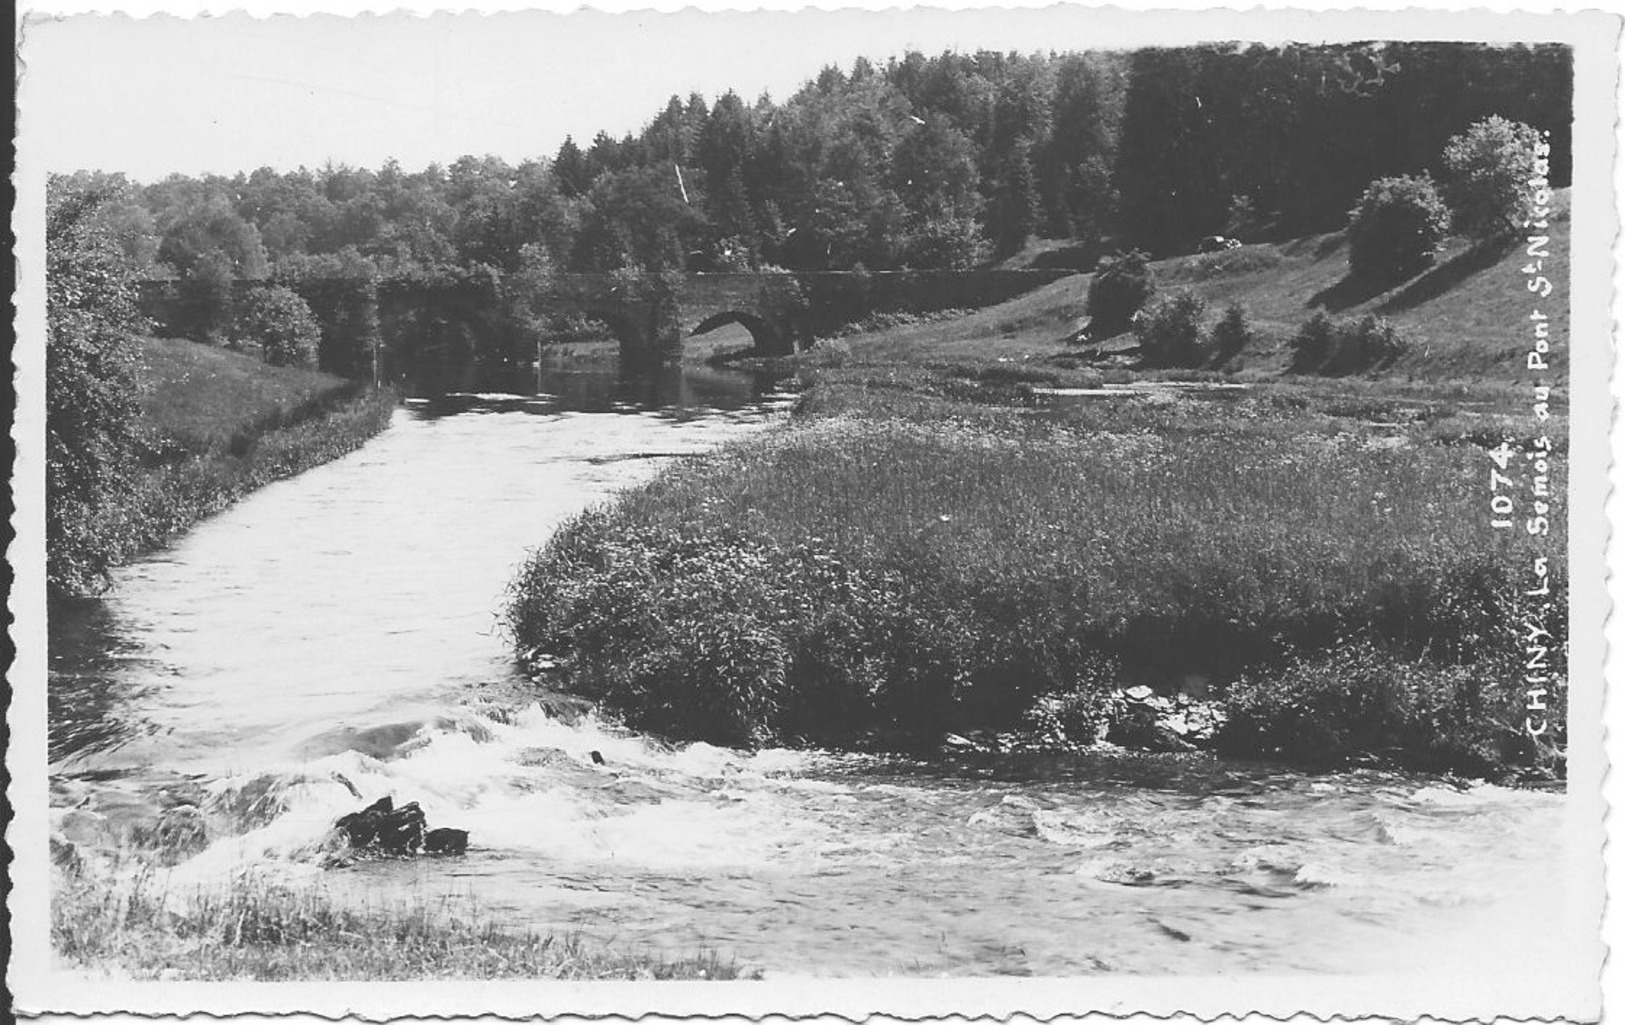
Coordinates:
[384,827]
[597,758]
[446,841]
[402,830]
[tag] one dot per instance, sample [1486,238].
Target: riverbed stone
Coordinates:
[382,826]
[446,841]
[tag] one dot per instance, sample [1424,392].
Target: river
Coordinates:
[342,626]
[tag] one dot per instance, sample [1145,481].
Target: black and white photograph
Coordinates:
[1029,510]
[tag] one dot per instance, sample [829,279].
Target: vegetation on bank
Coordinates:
[146,436]
[212,427]
[257,929]
[897,564]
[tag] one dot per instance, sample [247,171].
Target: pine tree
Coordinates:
[1015,217]
[571,169]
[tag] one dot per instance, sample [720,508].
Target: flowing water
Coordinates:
[339,629]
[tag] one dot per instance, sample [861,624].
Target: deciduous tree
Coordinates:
[1487,175]
[91,387]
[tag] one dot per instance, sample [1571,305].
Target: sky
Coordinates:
[159,95]
[155,96]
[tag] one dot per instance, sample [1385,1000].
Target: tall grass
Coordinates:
[915,571]
[256,929]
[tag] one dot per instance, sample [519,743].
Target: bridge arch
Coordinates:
[770,340]
[623,325]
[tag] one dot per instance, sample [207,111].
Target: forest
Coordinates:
[953,161]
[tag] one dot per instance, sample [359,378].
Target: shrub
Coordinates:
[1312,344]
[1232,335]
[832,353]
[1326,347]
[281,324]
[1397,229]
[1121,287]
[1488,170]
[1371,343]
[1361,702]
[1170,330]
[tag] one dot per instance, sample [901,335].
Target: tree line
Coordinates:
[949,161]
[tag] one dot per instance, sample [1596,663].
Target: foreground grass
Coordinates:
[901,562]
[259,930]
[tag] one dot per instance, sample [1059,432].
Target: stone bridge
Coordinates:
[783,311]
[650,315]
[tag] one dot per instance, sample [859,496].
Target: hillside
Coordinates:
[1465,317]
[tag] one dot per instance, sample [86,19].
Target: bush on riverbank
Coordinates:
[255,929]
[280,324]
[908,573]
[1362,702]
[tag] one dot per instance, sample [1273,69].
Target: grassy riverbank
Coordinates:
[216,426]
[255,929]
